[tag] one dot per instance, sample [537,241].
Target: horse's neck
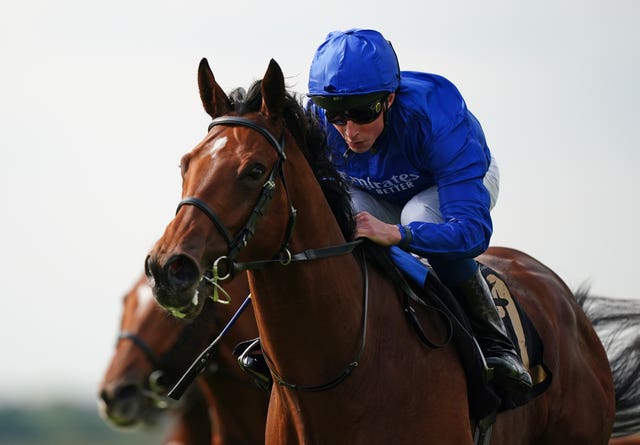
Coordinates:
[310,319]
[236,407]
[315,305]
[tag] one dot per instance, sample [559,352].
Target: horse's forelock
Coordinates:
[312,140]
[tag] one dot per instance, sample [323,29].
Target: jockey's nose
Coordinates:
[351,129]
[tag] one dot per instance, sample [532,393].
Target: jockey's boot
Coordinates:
[500,353]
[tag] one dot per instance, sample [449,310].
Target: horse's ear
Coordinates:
[215,101]
[272,89]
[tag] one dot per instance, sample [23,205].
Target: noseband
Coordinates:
[154,393]
[239,240]
[142,345]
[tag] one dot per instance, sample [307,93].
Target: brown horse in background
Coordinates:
[130,394]
[348,367]
[153,351]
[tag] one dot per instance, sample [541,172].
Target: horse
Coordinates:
[626,440]
[616,322]
[259,194]
[153,351]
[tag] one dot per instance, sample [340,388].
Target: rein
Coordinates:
[308,255]
[201,362]
[346,371]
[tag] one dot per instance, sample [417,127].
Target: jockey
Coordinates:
[420,172]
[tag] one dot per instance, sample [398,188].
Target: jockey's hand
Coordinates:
[368,226]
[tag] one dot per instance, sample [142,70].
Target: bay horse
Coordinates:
[153,351]
[259,194]
[626,440]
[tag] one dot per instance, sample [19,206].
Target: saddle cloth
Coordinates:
[484,399]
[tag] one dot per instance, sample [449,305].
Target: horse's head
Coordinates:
[232,189]
[126,394]
[152,351]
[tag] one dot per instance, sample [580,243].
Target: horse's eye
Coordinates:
[255,171]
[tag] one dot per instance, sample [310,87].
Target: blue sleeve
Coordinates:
[466,230]
[458,158]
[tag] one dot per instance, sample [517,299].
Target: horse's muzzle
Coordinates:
[175,284]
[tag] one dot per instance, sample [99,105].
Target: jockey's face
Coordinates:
[361,136]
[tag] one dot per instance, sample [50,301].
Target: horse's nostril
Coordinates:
[117,394]
[151,279]
[147,268]
[104,396]
[122,405]
[182,272]
[126,392]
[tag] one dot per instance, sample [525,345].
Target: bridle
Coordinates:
[283,256]
[142,345]
[156,388]
[239,240]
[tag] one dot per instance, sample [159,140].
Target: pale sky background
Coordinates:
[99,100]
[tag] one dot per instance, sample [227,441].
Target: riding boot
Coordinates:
[500,353]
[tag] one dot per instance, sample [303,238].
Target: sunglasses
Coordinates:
[359,115]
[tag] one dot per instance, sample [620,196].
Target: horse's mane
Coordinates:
[616,321]
[312,140]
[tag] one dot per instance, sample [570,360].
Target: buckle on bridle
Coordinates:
[286,260]
[213,280]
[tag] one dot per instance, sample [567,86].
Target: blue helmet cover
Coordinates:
[354,62]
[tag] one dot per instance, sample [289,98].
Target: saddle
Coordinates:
[410,274]
[484,398]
